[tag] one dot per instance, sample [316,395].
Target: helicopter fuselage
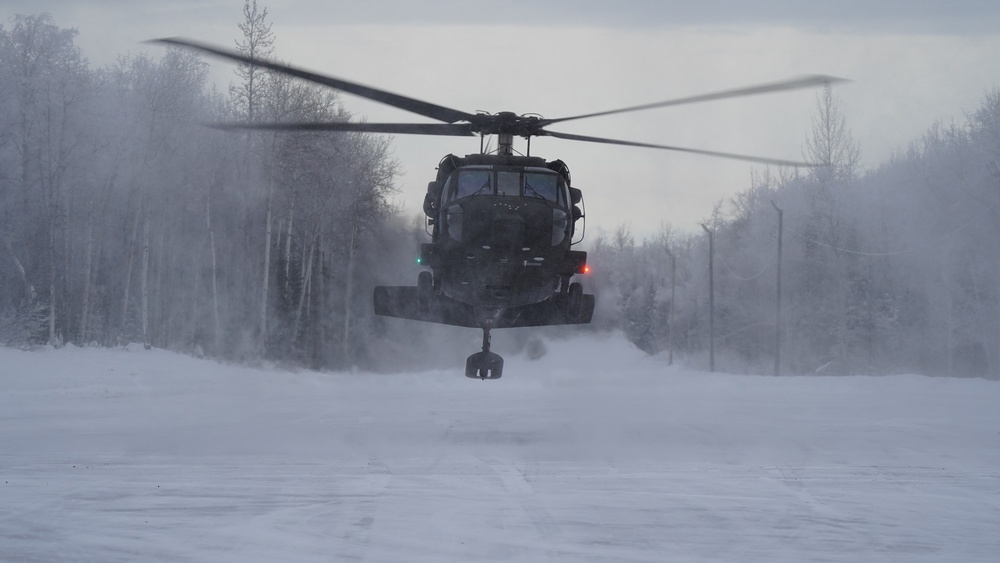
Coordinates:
[501,232]
[501,228]
[496,252]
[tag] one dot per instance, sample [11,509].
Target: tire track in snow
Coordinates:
[364,523]
[518,486]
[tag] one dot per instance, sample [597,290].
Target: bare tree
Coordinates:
[257,41]
[831,146]
[836,154]
[248,96]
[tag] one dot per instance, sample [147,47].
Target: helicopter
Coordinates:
[502,224]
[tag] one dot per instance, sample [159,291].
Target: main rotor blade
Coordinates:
[757,159]
[793,84]
[445,129]
[426,109]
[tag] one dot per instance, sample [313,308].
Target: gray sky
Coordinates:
[913,63]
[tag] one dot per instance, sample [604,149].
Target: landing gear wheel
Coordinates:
[425,290]
[484,365]
[574,301]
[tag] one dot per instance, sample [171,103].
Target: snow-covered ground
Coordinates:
[592,453]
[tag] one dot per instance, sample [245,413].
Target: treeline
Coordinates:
[891,270]
[124,219]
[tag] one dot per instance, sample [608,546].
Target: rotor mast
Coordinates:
[505,144]
[506,125]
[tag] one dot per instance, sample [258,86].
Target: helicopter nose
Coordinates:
[507,233]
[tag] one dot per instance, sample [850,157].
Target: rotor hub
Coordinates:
[507,123]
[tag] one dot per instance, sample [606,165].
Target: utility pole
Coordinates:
[711,298]
[995,170]
[670,317]
[777,306]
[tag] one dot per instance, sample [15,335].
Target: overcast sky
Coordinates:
[912,62]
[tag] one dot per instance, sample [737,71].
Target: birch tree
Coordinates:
[248,95]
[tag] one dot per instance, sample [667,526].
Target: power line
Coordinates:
[864,253]
[741,278]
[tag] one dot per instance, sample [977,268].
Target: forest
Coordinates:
[125,220]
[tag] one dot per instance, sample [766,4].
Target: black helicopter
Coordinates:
[501,225]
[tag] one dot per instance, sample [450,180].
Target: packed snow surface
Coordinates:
[594,452]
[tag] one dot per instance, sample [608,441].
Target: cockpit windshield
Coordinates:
[537,183]
[541,185]
[474,182]
[508,182]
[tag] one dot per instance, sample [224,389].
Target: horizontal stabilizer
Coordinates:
[403,302]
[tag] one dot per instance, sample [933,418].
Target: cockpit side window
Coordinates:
[473,182]
[448,193]
[540,185]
